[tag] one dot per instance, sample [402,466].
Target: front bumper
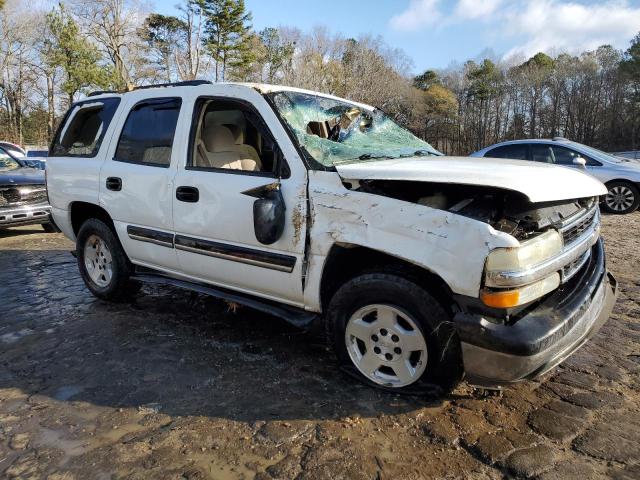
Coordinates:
[495,354]
[24,215]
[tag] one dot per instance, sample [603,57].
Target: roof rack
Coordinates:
[100,92]
[187,83]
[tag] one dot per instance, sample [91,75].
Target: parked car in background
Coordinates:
[420,268]
[621,176]
[631,155]
[29,158]
[37,153]
[13,149]
[23,194]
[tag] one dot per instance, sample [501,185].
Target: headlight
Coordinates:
[520,296]
[528,254]
[518,272]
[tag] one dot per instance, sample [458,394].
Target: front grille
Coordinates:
[19,195]
[569,270]
[576,228]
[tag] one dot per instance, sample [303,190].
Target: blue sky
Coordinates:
[435,33]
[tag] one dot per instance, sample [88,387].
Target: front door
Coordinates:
[231,155]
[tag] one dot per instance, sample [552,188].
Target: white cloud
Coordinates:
[476,9]
[558,25]
[532,25]
[418,14]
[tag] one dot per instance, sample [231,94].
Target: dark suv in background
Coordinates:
[23,194]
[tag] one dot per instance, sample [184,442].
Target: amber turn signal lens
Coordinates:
[506,299]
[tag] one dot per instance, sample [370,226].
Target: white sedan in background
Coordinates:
[620,175]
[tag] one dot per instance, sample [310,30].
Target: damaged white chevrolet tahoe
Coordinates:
[422,269]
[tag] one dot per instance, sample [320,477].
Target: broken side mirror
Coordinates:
[268,213]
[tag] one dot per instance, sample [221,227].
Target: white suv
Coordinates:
[420,268]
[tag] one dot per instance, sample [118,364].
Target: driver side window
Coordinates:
[232,137]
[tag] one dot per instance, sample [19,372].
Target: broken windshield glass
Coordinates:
[334,131]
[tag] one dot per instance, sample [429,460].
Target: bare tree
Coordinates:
[113,25]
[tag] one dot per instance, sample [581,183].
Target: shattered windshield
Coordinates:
[334,131]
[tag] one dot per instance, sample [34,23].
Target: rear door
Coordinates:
[76,156]
[236,146]
[136,180]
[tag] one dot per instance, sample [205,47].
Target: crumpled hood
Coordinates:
[22,176]
[539,182]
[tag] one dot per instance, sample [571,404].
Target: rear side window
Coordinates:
[83,129]
[147,135]
[541,153]
[517,151]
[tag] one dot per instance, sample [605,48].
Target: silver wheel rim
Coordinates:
[620,198]
[98,261]
[386,345]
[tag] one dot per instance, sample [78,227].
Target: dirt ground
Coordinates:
[174,386]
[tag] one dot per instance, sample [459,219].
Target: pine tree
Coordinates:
[162,34]
[227,34]
[79,59]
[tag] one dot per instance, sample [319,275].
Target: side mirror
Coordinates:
[581,162]
[268,213]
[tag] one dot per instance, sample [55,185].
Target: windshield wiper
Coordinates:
[368,156]
[423,153]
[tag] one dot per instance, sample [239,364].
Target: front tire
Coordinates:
[621,198]
[394,334]
[103,265]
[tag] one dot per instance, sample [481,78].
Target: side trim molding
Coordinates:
[141,234]
[258,258]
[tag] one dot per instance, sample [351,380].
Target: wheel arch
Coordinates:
[80,212]
[345,261]
[622,180]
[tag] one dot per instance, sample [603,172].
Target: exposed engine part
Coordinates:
[504,210]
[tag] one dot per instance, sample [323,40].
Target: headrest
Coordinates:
[218,138]
[237,133]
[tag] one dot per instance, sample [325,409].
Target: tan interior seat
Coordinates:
[219,150]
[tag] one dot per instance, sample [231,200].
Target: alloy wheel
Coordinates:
[386,345]
[620,198]
[98,261]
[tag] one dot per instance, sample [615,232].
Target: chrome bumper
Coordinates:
[496,354]
[25,215]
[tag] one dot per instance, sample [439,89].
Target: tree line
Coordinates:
[51,58]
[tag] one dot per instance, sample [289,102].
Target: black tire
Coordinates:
[627,190]
[50,227]
[118,287]
[444,366]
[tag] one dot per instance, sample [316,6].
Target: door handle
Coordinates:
[187,194]
[114,183]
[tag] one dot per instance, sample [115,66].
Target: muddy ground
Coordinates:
[174,386]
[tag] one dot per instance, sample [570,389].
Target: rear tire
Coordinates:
[393,334]
[621,198]
[103,265]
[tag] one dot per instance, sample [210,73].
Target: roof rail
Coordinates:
[187,83]
[560,139]
[100,92]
